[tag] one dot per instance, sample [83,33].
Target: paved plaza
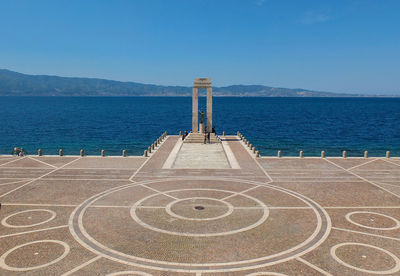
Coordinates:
[218,211]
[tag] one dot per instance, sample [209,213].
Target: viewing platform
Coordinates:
[199,209]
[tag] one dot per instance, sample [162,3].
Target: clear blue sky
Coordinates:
[337,45]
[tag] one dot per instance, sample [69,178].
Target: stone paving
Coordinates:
[76,215]
[201,156]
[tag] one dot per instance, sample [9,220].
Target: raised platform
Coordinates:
[142,216]
[199,138]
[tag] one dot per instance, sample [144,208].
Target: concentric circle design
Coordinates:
[6,224]
[234,232]
[396,222]
[229,208]
[262,218]
[396,260]
[4,256]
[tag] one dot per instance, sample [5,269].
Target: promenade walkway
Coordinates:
[173,214]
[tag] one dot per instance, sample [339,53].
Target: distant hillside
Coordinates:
[17,84]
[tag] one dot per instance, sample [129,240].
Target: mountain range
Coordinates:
[18,84]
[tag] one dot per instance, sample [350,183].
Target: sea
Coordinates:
[133,123]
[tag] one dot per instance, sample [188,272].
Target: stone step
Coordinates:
[199,138]
[201,141]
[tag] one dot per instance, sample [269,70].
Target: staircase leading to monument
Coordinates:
[199,138]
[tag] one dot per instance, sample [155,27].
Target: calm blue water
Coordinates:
[133,123]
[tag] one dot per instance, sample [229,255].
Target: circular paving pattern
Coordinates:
[37,216]
[24,256]
[191,225]
[190,207]
[376,253]
[216,209]
[372,220]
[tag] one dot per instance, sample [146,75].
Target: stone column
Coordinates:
[195,110]
[209,109]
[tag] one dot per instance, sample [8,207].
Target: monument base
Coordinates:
[202,128]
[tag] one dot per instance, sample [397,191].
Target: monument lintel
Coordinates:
[202,83]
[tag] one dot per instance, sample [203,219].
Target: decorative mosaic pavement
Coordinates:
[259,216]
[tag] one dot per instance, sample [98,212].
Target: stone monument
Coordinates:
[201,83]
